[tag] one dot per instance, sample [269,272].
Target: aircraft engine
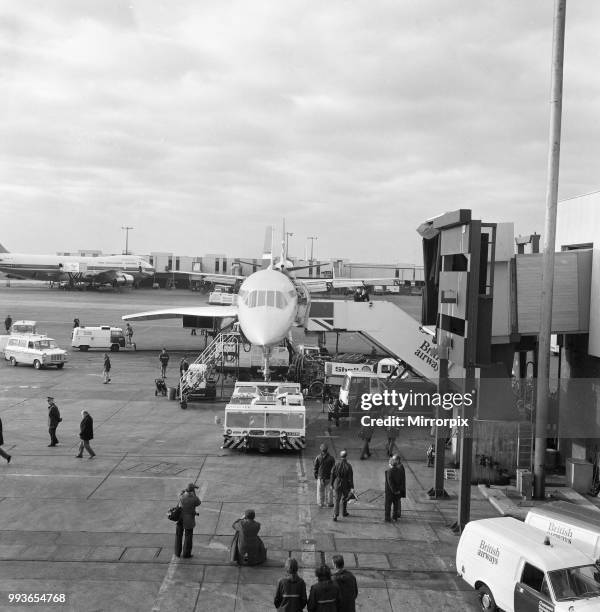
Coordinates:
[123,280]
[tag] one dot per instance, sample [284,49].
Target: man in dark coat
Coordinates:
[247,548]
[290,595]
[366,433]
[323,464]
[346,583]
[342,479]
[184,366]
[189,501]
[106,370]
[325,594]
[86,433]
[53,421]
[8,323]
[3,453]
[395,489]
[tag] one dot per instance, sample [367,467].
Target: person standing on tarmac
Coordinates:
[342,482]
[183,366]
[129,334]
[75,322]
[53,421]
[395,489]
[8,323]
[86,433]
[189,501]
[323,465]
[164,362]
[325,594]
[366,433]
[290,595]
[106,371]
[346,583]
[2,452]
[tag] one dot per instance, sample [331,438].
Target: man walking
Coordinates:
[129,334]
[188,500]
[2,452]
[342,480]
[106,370]
[164,362]
[323,464]
[366,433]
[53,421]
[183,366]
[86,433]
[346,583]
[395,489]
[8,323]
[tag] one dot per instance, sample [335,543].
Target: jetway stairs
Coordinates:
[385,325]
[204,368]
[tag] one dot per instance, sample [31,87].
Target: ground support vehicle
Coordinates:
[199,382]
[222,296]
[265,416]
[516,568]
[34,349]
[246,361]
[102,337]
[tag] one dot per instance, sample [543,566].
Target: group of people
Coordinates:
[333,592]
[335,484]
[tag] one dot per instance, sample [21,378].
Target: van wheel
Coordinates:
[37,364]
[13,361]
[114,348]
[84,347]
[486,599]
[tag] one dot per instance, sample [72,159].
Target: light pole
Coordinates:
[126,228]
[312,244]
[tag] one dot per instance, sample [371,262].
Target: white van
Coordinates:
[34,349]
[24,327]
[516,568]
[568,523]
[104,337]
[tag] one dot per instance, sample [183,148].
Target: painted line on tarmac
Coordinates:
[304,522]
[162,598]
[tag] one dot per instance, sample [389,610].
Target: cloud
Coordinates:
[199,123]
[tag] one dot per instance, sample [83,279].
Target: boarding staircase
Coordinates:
[202,371]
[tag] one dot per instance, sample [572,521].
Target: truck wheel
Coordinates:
[60,366]
[37,364]
[114,348]
[13,361]
[316,389]
[84,347]
[183,404]
[486,599]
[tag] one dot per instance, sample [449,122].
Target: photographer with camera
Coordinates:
[188,501]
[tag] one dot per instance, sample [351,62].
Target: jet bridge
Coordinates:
[385,325]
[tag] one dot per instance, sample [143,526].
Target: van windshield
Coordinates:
[575,582]
[45,344]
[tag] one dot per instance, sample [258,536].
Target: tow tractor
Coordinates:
[265,416]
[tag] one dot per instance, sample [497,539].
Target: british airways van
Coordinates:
[569,523]
[516,568]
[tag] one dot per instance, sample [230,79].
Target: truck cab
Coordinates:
[354,386]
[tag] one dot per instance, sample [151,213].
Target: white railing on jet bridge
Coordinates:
[225,343]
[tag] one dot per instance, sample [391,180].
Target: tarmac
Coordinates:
[96,530]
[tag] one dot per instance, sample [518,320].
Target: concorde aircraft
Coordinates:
[269,303]
[115,270]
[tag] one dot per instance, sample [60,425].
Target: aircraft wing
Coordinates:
[223,279]
[325,284]
[187,311]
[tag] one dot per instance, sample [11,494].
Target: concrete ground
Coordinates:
[96,530]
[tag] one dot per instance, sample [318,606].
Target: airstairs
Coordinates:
[199,380]
[384,324]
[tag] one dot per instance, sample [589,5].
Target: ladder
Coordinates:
[525,446]
[214,355]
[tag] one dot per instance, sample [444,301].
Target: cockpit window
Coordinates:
[274,299]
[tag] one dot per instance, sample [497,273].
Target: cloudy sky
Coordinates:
[199,123]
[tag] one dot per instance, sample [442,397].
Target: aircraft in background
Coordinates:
[115,270]
[269,303]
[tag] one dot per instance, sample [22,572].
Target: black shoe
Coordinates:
[388,520]
[8,459]
[187,556]
[79,456]
[49,445]
[334,518]
[177,555]
[362,458]
[345,514]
